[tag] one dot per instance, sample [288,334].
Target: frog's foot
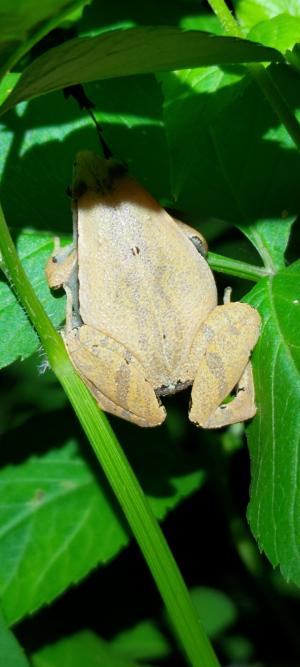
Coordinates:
[61,264]
[240,408]
[114,376]
[223,345]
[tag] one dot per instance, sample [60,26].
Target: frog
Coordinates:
[142,314]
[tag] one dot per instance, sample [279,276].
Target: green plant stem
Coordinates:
[233,267]
[42,31]
[125,485]
[260,74]
[225,17]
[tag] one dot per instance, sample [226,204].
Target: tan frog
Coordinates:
[142,316]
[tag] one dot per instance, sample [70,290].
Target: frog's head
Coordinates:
[92,172]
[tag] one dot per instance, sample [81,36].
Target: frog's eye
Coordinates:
[200,245]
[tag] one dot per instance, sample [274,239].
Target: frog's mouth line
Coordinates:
[172,388]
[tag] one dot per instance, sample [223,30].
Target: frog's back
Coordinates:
[141,280]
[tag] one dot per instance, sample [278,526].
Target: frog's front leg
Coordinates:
[61,264]
[223,346]
[114,376]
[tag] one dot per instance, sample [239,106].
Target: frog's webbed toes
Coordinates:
[114,376]
[224,344]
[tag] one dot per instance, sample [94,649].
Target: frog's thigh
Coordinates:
[223,345]
[114,376]
[60,265]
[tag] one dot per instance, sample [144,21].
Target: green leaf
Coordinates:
[19,18]
[7,84]
[216,165]
[84,648]
[133,51]
[141,642]
[281,32]
[273,435]
[270,238]
[27,391]
[58,521]
[24,23]
[293,57]
[37,152]
[202,21]
[11,653]
[250,12]
[239,649]
[17,337]
[144,641]
[216,610]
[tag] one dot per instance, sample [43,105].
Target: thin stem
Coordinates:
[262,77]
[44,29]
[111,457]
[225,17]
[234,267]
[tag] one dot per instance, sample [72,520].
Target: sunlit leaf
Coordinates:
[281,32]
[250,12]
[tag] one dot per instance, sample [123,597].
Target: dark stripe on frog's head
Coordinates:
[92,172]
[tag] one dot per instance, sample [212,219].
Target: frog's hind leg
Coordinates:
[114,376]
[223,346]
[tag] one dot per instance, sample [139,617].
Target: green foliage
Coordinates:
[18,338]
[178,103]
[270,238]
[145,641]
[251,12]
[58,509]
[225,145]
[90,649]
[216,609]
[282,31]
[137,644]
[274,434]
[11,654]
[135,51]
[21,18]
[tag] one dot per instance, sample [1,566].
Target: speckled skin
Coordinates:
[142,318]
